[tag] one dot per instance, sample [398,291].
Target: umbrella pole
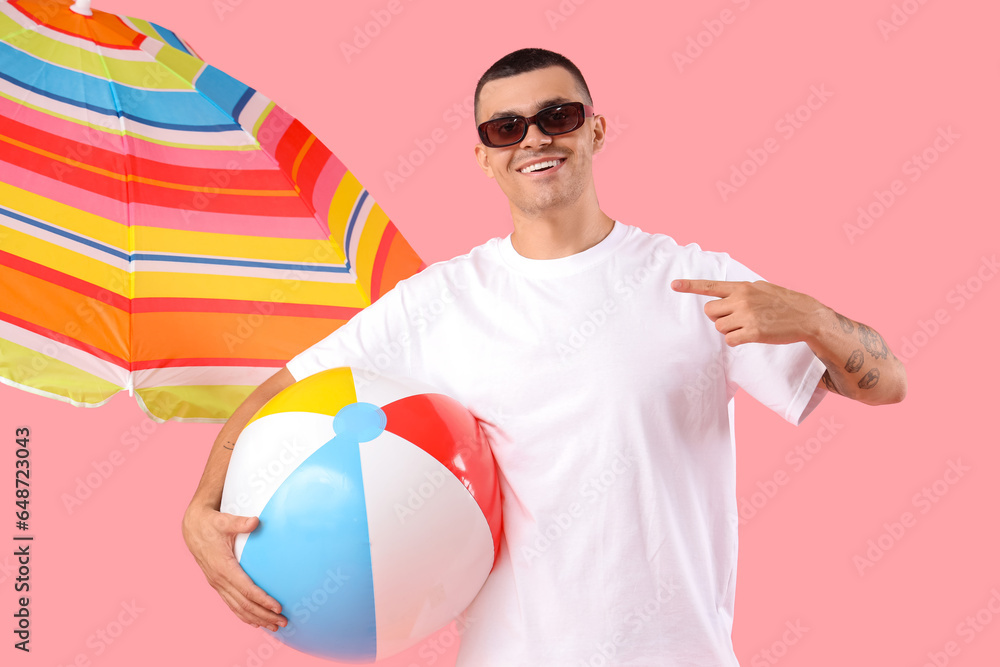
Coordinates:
[82,7]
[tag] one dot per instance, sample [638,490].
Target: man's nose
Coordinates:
[535,137]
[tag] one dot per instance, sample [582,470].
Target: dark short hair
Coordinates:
[528,60]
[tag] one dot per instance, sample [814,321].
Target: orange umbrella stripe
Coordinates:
[102,28]
[394,261]
[248,329]
[225,336]
[65,280]
[60,311]
[61,338]
[195,305]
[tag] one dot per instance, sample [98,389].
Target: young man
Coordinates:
[601,362]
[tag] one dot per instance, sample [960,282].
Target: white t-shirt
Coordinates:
[606,397]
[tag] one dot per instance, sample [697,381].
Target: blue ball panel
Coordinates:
[311,552]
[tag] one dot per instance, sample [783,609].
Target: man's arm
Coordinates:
[210,534]
[859,363]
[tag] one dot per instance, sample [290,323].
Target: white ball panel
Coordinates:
[266,453]
[431,545]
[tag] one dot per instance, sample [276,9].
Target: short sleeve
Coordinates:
[375,341]
[785,378]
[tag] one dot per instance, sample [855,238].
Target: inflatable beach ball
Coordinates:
[379,511]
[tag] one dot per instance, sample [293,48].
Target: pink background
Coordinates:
[676,132]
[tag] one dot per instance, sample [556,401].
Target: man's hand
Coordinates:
[210,535]
[757,312]
[859,365]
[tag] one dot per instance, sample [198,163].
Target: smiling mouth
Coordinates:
[541,166]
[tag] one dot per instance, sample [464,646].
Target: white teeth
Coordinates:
[539,165]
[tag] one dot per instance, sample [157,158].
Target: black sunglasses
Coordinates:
[510,130]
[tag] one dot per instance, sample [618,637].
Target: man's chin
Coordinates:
[536,207]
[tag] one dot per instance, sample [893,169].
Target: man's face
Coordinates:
[524,95]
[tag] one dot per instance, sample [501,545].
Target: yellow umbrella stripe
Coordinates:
[50,376]
[194,403]
[151,75]
[179,241]
[72,219]
[128,72]
[296,287]
[143,26]
[371,237]
[94,271]
[115,278]
[342,204]
[182,64]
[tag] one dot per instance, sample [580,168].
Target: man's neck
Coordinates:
[555,234]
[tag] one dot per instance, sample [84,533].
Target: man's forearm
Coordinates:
[209,490]
[859,363]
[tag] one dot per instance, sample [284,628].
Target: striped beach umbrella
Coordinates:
[164,228]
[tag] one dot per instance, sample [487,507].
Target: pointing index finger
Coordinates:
[719,288]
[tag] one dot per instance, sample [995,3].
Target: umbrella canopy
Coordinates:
[164,228]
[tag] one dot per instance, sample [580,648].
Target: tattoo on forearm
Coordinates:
[828,382]
[229,445]
[845,324]
[855,362]
[873,342]
[869,380]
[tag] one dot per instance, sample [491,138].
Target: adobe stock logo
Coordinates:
[898,17]
[959,297]
[366,34]
[749,506]
[779,647]
[967,629]
[897,528]
[787,126]
[713,29]
[912,168]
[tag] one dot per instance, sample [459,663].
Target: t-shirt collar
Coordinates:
[563,266]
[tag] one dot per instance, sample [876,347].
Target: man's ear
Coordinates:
[600,132]
[483,159]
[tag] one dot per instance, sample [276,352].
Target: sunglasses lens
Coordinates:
[505,131]
[561,119]
[553,120]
